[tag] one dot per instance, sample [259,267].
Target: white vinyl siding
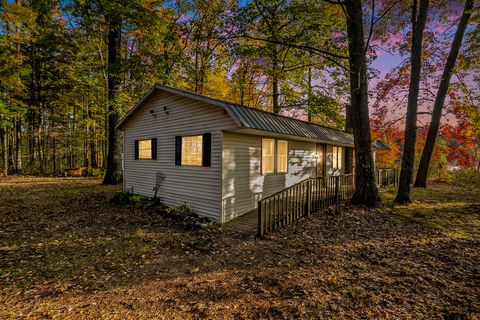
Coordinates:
[243,181]
[199,187]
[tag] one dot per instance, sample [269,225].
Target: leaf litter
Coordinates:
[67,252]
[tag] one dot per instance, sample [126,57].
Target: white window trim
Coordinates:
[201,151]
[261,156]
[139,149]
[275,156]
[336,164]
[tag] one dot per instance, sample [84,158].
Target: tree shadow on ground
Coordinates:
[74,248]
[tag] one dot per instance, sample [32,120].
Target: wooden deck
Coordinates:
[246,223]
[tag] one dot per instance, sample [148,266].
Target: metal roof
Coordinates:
[380,145]
[267,121]
[252,118]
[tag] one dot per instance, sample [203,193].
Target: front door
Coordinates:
[320,160]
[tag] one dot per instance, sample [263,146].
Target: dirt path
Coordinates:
[67,252]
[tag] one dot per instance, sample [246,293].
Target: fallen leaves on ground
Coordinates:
[67,252]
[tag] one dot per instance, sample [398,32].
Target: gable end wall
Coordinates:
[198,187]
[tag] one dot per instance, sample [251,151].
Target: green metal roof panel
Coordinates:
[267,121]
[252,118]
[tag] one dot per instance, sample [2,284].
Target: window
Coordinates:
[274,156]
[320,160]
[145,149]
[192,150]
[268,156]
[282,156]
[337,158]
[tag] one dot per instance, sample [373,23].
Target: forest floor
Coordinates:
[67,252]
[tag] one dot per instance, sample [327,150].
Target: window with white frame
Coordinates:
[268,156]
[282,156]
[192,150]
[145,149]
[274,156]
[337,158]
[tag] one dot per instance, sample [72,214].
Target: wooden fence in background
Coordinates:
[387,177]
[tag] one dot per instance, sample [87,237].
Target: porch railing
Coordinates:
[298,200]
[387,177]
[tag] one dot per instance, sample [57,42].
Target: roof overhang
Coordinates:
[270,134]
[379,145]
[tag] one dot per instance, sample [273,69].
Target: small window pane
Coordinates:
[335,158]
[282,156]
[145,149]
[268,156]
[339,158]
[192,152]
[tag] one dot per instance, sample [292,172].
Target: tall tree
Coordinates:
[419,19]
[366,189]
[422,173]
[119,17]
[113,174]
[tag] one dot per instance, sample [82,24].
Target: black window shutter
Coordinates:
[136,149]
[207,149]
[178,151]
[154,148]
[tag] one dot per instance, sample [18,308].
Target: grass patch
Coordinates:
[450,209]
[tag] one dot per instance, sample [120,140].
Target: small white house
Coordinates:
[218,157]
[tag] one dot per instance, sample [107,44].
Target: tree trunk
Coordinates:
[366,190]
[3,142]
[422,174]
[93,152]
[418,25]
[276,106]
[54,155]
[349,160]
[11,144]
[72,139]
[18,144]
[113,174]
[309,94]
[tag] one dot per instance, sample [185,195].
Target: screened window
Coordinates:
[145,149]
[192,152]
[282,156]
[337,158]
[268,156]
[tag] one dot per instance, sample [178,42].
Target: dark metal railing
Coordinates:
[298,200]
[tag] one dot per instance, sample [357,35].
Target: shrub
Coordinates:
[127,198]
[187,218]
[96,172]
[466,177]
